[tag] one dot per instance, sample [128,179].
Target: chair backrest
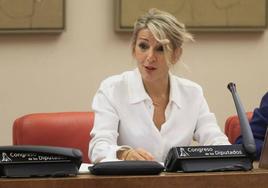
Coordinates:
[232,127]
[63,129]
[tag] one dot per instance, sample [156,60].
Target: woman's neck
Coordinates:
[159,89]
[159,93]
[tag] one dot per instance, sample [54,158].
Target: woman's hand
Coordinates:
[137,154]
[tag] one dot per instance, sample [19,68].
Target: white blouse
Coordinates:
[124,117]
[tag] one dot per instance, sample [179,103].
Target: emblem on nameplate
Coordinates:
[183,153]
[5,158]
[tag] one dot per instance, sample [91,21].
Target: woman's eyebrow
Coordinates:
[141,38]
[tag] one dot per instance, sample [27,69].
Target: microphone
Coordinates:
[216,158]
[248,140]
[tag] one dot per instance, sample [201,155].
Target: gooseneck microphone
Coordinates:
[248,140]
[219,157]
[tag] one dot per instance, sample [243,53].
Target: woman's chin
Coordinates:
[149,78]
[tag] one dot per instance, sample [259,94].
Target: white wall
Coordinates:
[51,73]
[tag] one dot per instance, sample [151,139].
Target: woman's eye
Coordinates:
[160,49]
[143,46]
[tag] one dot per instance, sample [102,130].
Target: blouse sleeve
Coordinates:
[103,145]
[207,131]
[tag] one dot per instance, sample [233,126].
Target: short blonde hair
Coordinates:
[165,28]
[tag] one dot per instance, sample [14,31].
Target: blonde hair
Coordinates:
[165,28]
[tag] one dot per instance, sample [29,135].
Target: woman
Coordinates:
[141,114]
[258,124]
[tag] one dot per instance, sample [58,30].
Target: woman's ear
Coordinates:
[176,55]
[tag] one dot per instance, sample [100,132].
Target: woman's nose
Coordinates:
[151,56]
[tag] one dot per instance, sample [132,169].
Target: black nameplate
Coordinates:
[207,158]
[29,157]
[209,151]
[29,161]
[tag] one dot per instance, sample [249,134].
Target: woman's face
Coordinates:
[149,54]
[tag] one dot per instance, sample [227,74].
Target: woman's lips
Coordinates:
[150,68]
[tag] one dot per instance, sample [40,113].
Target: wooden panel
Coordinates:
[254,178]
[198,15]
[32,15]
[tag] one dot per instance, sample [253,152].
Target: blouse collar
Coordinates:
[137,93]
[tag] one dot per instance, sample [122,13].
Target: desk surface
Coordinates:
[255,178]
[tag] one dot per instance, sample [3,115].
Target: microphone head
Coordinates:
[231,86]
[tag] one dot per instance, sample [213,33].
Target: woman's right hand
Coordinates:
[137,154]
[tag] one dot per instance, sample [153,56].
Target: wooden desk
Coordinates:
[252,179]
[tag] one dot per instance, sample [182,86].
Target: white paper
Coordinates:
[84,168]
